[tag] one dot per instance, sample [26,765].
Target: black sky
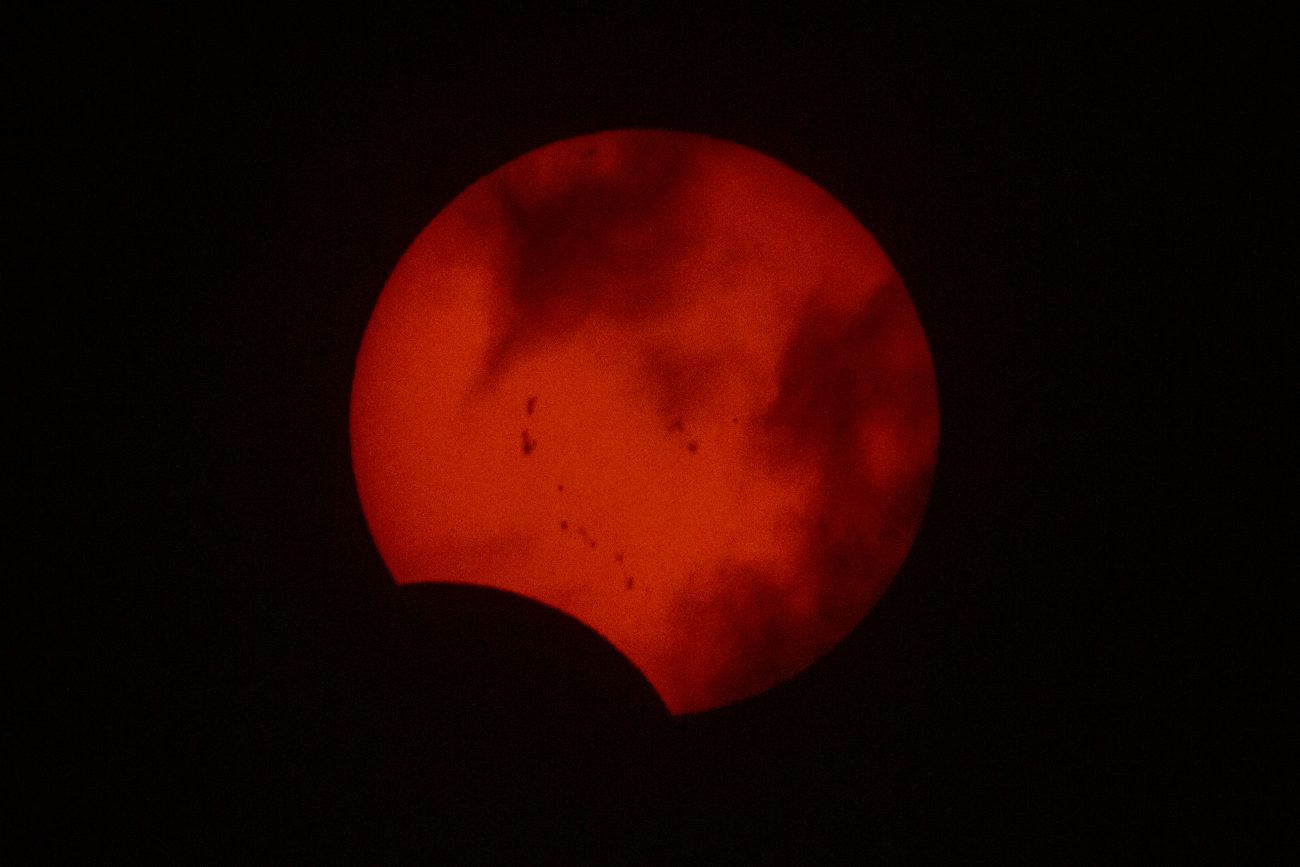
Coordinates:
[1078,662]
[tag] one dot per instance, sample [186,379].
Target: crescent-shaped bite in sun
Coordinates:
[663,383]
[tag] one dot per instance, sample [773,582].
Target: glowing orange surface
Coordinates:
[663,383]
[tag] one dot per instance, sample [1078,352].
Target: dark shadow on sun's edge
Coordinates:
[455,708]
[512,652]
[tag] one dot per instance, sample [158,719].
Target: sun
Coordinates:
[663,383]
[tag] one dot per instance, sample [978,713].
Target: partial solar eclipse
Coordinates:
[660,382]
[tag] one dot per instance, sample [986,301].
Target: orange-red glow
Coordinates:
[663,383]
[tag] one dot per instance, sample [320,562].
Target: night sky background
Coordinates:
[1080,660]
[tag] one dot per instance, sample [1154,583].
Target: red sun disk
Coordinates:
[663,383]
